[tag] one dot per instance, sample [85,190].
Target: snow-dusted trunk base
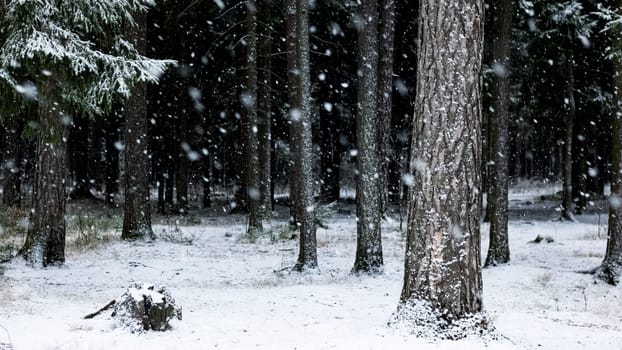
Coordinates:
[45,242]
[368,186]
[145,307]
[137,210]
[442,265]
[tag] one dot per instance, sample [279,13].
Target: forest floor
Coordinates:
[238,293]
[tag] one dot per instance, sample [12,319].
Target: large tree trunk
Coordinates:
[368,185]
[137,209]
[303,158]
[442,265]
[385,101]
[611,267]
[249,100]
[45,242]
[499,249]
[11,166]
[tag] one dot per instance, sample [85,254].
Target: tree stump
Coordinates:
[146,307]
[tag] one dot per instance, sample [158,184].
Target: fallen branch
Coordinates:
[108,306]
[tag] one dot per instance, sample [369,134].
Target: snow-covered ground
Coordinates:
[238,294]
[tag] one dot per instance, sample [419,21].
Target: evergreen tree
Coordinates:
[49,58]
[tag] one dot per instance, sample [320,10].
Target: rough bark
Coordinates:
[442,265]
[499,249]
[249,100]
[45,241]
[385,92]
[137,209]
[303,158]
[368,185]
[611,267]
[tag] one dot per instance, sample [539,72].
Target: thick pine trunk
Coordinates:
[368,185]
[499,249]
[611,267]
[303,158]
[137,209]
[45,242]
[442,265]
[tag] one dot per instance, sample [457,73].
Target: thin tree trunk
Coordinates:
[442,265]
[45,242]
[293,97]
[499,249]
[264,106]
[385,92]
[569,118]
[137,209]
[303,160]
[249,100]
[181,175]
[368,185]
[111,176]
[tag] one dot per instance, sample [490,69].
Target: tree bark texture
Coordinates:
[303,158]
[252,125]
[499,249]
[137,209]
[293,97]
[611,267]
[385,93]
[368,185]
[45,241]
[442,264]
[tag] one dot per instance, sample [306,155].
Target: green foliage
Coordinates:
[91,229]
[71,53]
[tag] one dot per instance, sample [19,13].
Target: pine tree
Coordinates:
[49,58]
[442,275]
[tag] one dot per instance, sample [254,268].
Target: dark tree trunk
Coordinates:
[569,119]
[368,185]
[249,100]
[385,93]
[293,97]
[11,165]
[137,209]
[45,242]
[303,158]
[442,265]
[611,267]
[499,249]
[80,150]
[330,156]
[264,107]
[181,174]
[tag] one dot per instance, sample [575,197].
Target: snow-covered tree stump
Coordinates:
[146,307]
